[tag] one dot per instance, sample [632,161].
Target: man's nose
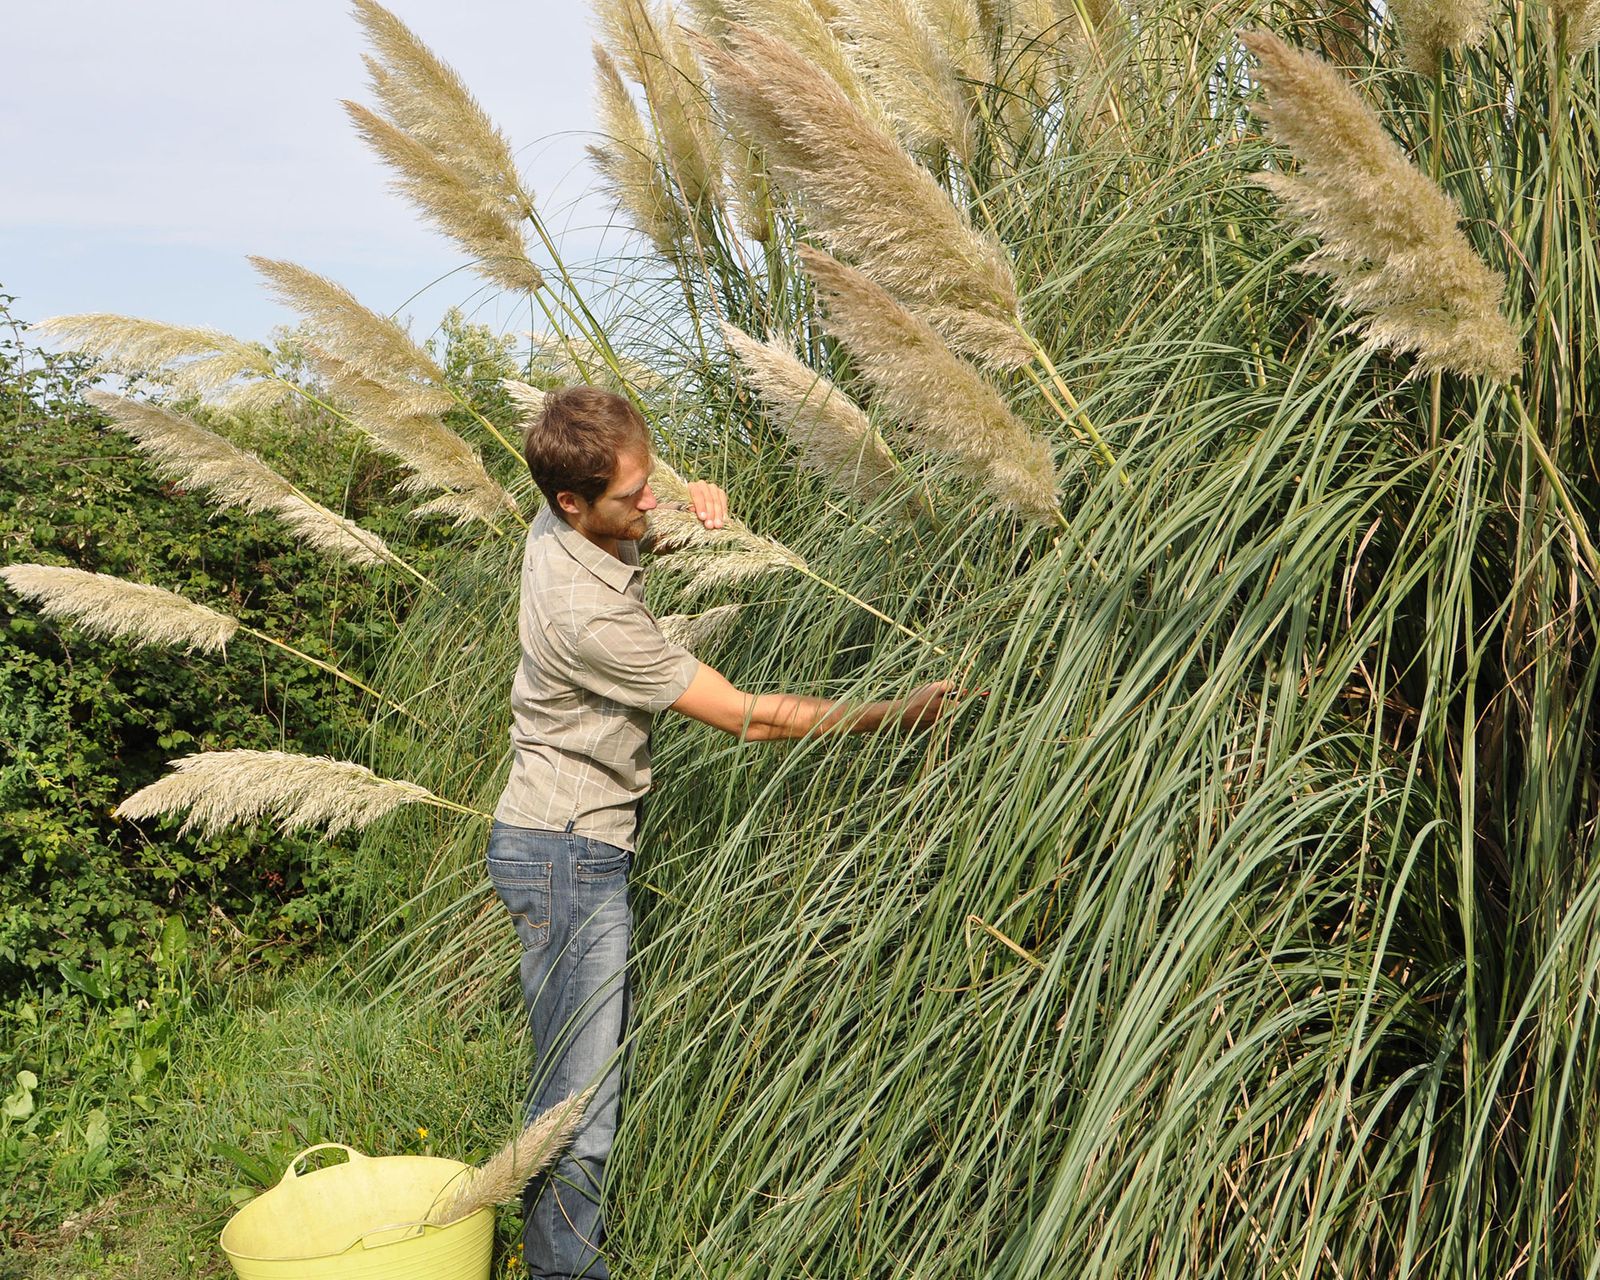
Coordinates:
[647,500]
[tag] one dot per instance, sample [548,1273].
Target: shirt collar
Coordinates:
[615,573]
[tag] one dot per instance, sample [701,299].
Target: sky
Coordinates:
[145,149]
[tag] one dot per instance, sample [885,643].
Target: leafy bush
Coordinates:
[85,721]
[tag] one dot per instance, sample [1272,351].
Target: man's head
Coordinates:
[589,453]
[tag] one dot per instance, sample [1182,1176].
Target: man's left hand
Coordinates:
[710,503]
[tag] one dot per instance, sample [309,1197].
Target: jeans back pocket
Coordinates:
[525,889]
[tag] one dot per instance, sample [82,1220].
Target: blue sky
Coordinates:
[147,148]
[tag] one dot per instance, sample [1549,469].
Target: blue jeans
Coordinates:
[568,898]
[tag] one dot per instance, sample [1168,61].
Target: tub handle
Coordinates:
[289,1174]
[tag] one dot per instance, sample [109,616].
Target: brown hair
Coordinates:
[573,444]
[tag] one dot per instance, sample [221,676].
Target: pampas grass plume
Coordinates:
[867,199]
[628,162]
[185,451]
[501,1178]
[943,401]
[211,361]
[832,434]
[1429,27]
[448,157]
[708,557]
[114,607]
[220,789]
[1582,21]
[694,630]
[911,71]
[1389,235]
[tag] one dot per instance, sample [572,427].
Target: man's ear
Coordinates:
[568,502]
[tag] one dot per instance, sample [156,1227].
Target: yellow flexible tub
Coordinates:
[360,1220]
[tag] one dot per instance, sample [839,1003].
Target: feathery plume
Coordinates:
[658,58]
[628,164]
[500,1179]
[959,28]
[211,361]
[220,789]
[1581,18]
[576,359]
[1429,27]
[911,71]
[109,606]
[185,451]
[708,557]
[807,26]
[372,344]
[438,458]
[529,401]
[394,390]
[695,630]
[944,402]
[448,157]
[829,429]
[866,198]
[1390,239]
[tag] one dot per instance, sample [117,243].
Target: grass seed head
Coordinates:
[628,162]
[1428,28]
[867,199]
[114,607]
[832,434]
[200,362]
[220,789]
[942,400]
[447,155]
[185,451]
[911,72]
[1389,235]
[501,1178]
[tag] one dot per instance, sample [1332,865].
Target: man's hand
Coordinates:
[921,708]
[709,503]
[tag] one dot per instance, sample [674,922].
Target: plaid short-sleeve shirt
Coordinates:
[594,670]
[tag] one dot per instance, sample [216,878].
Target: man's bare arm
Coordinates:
[764,717]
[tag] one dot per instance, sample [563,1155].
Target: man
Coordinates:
[593,671]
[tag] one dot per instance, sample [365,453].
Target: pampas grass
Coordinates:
[809,30]
[628,164]
[657,56]
[448,157]
[1581,20]
[183,450]
[528,400]
[220,789]
[943,402]
[204,363]
[501,1178]
[832,434]
[1389,235]
[1430,27]
[912,73]
[116,608]
[694,630]
[358,337]
[869,200]
[707,558]
[437,456]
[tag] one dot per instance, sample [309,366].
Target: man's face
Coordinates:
[618,514]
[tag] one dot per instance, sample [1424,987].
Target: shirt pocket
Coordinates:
[525,889]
